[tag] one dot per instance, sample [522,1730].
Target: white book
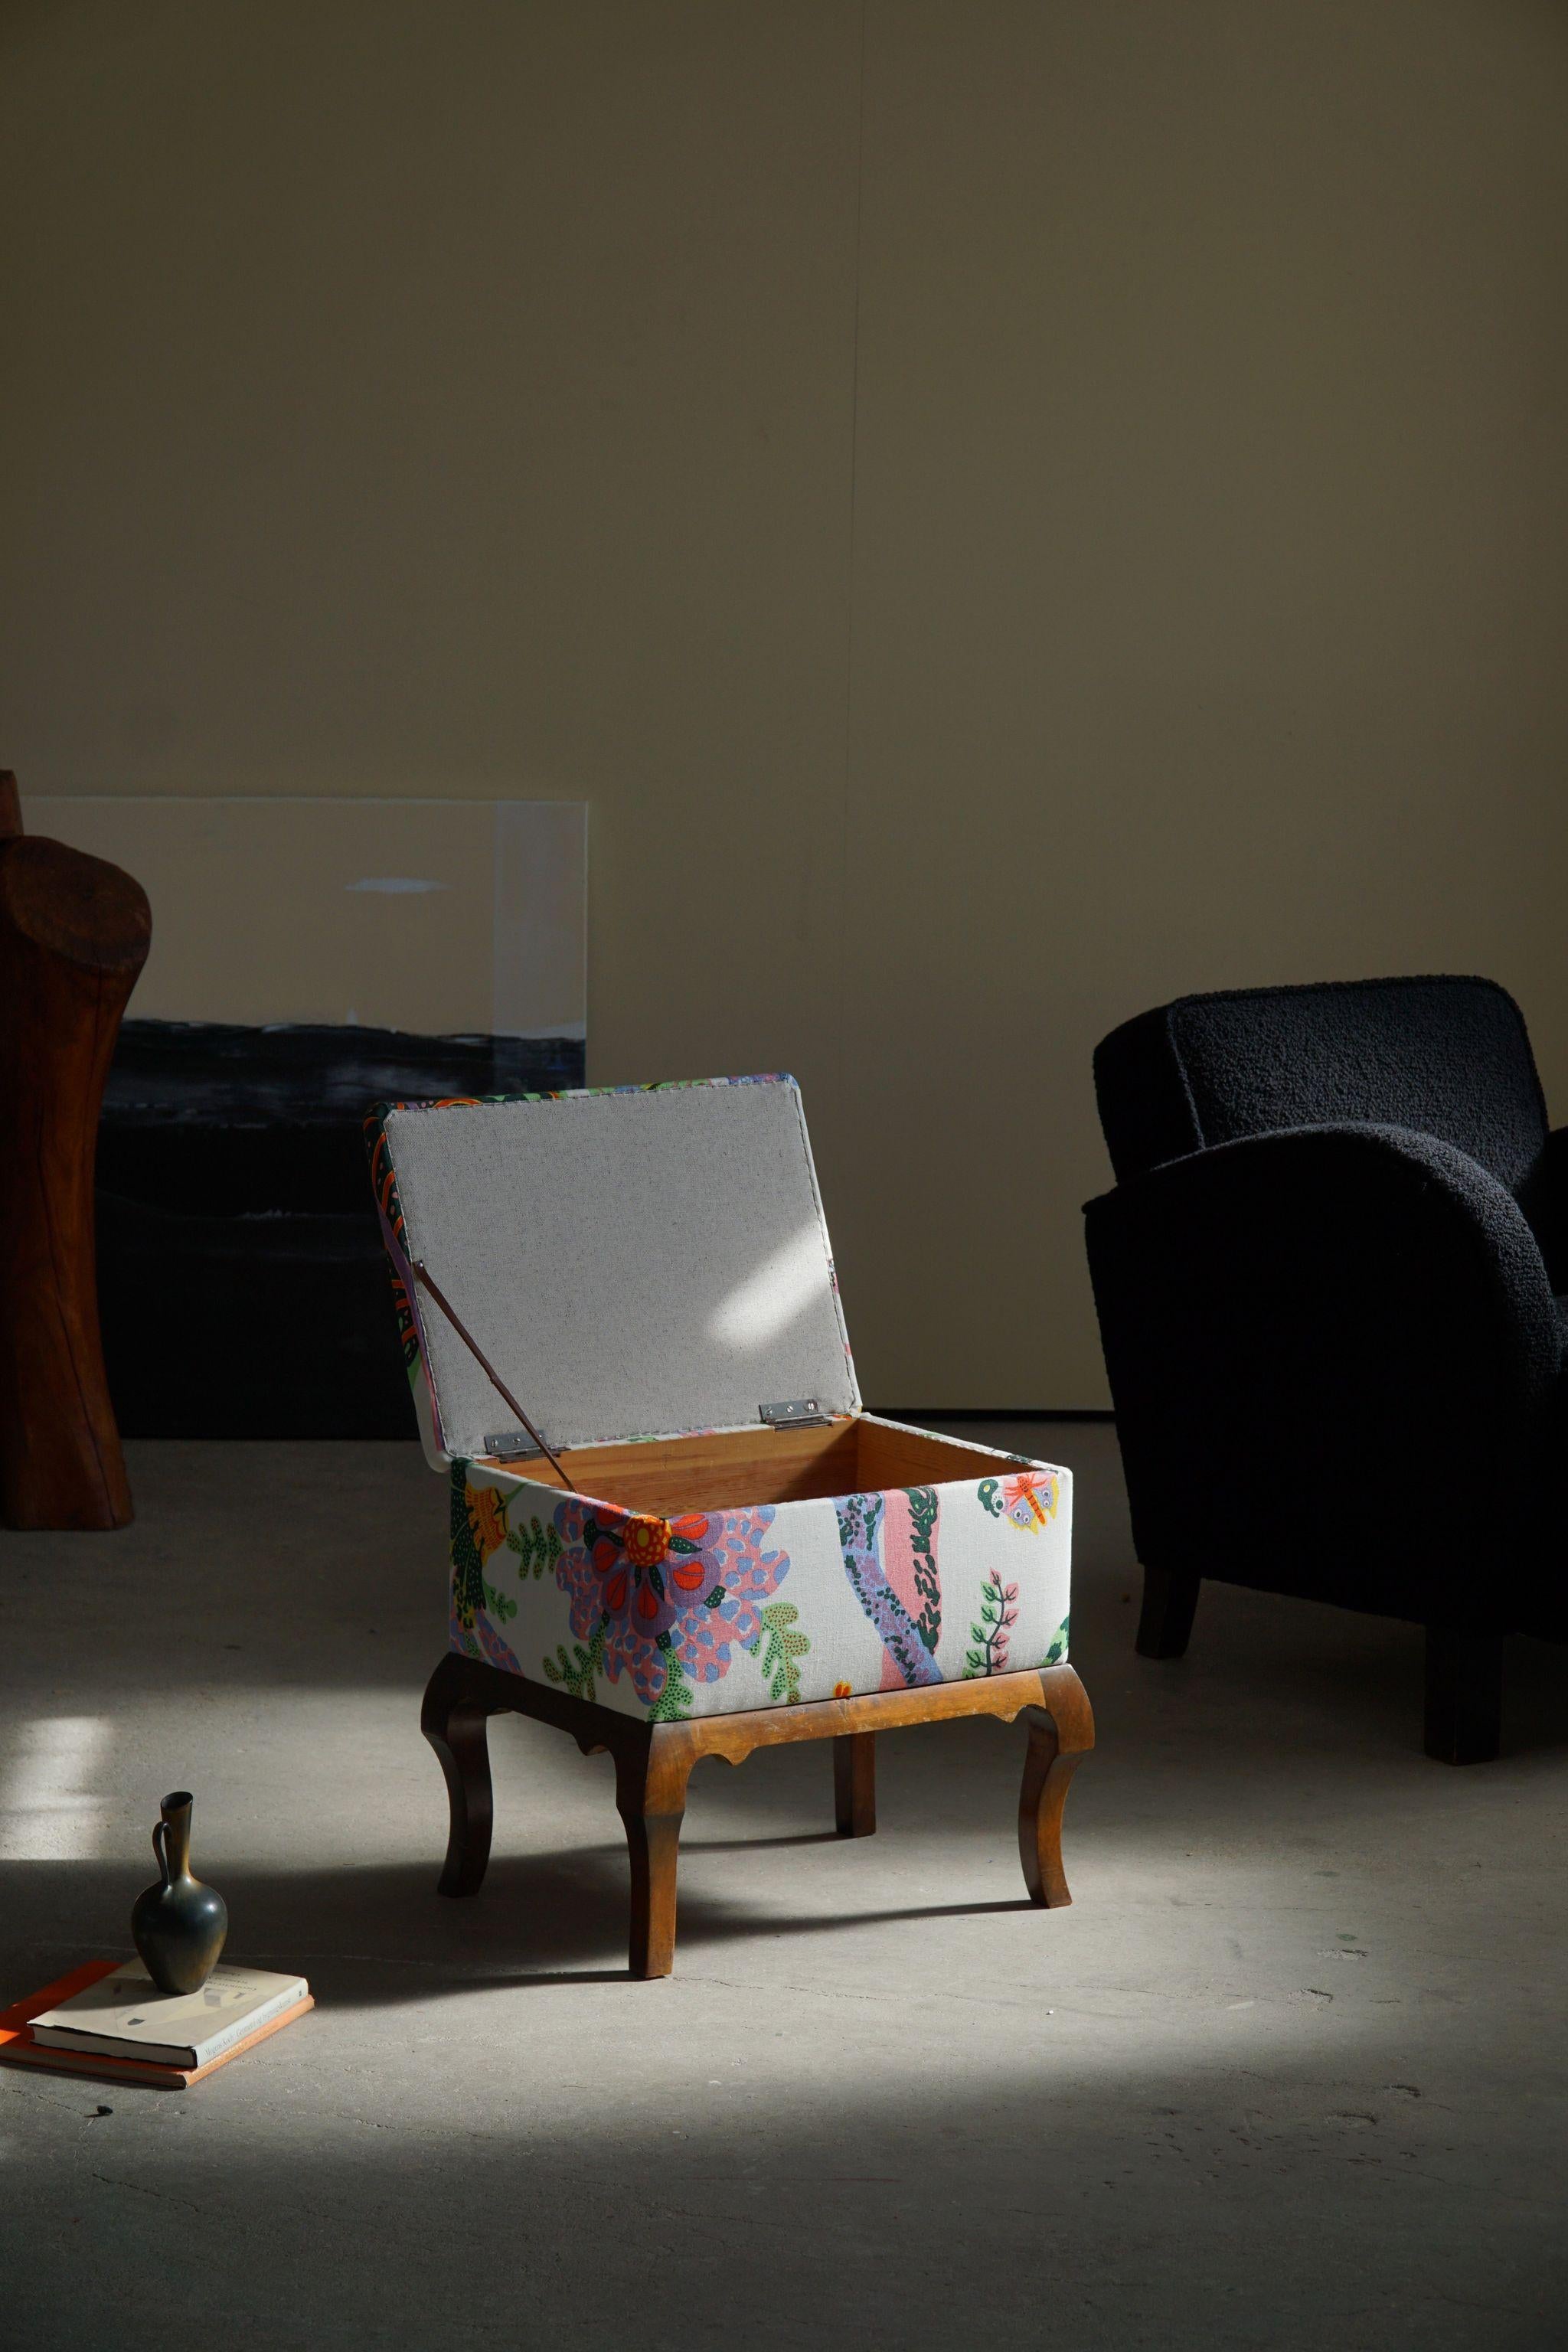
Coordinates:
[124,2015]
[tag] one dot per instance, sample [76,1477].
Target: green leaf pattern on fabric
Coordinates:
[537,1545]
[998,1615]
[576,1674]
[778,1648]
[673,1704]
[468,1568]
[922,1503]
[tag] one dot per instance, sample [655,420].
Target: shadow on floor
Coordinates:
[765,2193]
[371,1933]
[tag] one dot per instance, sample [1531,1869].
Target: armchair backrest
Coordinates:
[1450,1057]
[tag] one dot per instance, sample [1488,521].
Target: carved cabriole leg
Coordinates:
[1166,1623]
[1464,1696]
[1059,1738]
[855,1783]
[453,1722]
[653,1762]
[652,1765]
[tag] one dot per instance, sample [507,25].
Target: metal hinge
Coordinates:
[799,1412]
[510,1445]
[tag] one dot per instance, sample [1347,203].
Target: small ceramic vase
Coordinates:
[179,1924]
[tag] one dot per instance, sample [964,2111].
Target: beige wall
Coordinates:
[1006,509]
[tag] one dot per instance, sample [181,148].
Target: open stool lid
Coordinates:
[636,1262]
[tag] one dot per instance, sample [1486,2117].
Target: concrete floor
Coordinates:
[1290,2072]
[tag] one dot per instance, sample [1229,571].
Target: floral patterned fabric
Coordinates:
[666,1599]
[712,1612]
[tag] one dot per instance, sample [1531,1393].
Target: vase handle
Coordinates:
[161,1848]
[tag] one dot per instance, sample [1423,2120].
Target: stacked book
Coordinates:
[108,2020]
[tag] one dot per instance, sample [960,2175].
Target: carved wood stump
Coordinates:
[74,935]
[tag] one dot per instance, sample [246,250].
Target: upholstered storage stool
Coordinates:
[714,1547]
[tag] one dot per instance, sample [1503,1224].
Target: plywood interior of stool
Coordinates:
[734,1467]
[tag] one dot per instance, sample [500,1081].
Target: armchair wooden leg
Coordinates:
[1464,1696]
[1166,1623]
[455,1726]
[855,1783]
[651,1772]
[1059,1738]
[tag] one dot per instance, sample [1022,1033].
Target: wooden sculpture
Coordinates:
[74,934]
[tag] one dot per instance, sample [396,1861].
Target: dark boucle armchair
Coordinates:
[1326,1285]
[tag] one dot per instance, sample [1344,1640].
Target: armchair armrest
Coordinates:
[1545,1203]
[1331,1351]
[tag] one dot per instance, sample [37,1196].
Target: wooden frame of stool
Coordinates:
[654,1761]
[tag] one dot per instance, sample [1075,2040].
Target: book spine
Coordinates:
[204,2052]
[183,2054]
